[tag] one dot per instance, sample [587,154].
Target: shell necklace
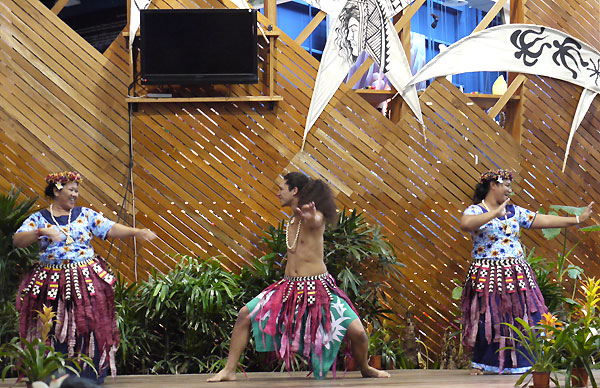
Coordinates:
[507,228]
[67,231]
[287,238]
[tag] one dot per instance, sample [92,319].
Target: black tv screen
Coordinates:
[198,46]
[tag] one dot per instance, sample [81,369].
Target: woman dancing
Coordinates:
[69,277]
[500,285]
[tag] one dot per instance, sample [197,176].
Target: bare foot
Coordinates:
[223,375]
[372,372]
[476,372]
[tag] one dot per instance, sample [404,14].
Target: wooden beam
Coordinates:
[271,11]
[58,6]
[310,27]
[517,15]
[510,91]
[204,99]
[517,11]
[485,22]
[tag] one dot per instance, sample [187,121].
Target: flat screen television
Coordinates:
[198,46]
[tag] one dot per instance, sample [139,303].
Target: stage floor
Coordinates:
[399,378]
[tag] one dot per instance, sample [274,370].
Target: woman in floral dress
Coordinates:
[500,285]
[69,277]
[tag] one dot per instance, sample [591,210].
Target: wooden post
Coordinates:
[271,11]
[271,14]
[514,108]
[397,107]
[132,57]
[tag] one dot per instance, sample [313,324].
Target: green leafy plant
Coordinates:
[362,260]
[36,359]
[538,344]
[192,310]
[387,344]
[582,332]
[551,290]
[563,268]
[134,355]
[14,262]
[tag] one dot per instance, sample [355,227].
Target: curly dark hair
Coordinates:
[313,190]
[49,191]
[483,187]
[481,190]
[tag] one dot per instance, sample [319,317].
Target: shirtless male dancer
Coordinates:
[305,312]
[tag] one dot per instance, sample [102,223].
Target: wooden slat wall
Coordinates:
[205,174]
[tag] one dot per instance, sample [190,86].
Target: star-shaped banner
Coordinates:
[361,25]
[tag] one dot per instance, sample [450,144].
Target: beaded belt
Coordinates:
[75,275]
[508,275]
[301,284]
[305,278]
[67,265]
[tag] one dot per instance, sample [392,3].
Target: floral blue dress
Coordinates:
[76,284]
[493,240]
[85,224]
[500,286]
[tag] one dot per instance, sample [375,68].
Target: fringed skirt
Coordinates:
[497,291]
[82,296]
[304,315]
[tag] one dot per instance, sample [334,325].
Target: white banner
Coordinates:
[528,49]
[360,25]
[134,17]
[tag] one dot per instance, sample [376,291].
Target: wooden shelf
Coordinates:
[486,101]
[375,97]
[204,99]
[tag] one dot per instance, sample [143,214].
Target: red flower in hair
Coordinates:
[59,179]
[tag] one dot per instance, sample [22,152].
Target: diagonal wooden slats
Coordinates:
[205,174]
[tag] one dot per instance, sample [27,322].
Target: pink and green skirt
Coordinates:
[303,315]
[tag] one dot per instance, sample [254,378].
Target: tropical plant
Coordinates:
[191,309]
[551,290]
[36,359]
[538,344]
[561,265]
[582,335]
[362,261]
[387,344]
[134,354]
[14,262]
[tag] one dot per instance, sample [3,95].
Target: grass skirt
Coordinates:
[497,291]
[82,296]
[304,315]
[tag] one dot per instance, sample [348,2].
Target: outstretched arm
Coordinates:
[310,216]
[122,231]
[543,221]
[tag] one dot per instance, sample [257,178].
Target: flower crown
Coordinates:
[497,175]
[62,178]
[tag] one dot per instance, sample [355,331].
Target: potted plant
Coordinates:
[582,336]
[37,359]
[540,344]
